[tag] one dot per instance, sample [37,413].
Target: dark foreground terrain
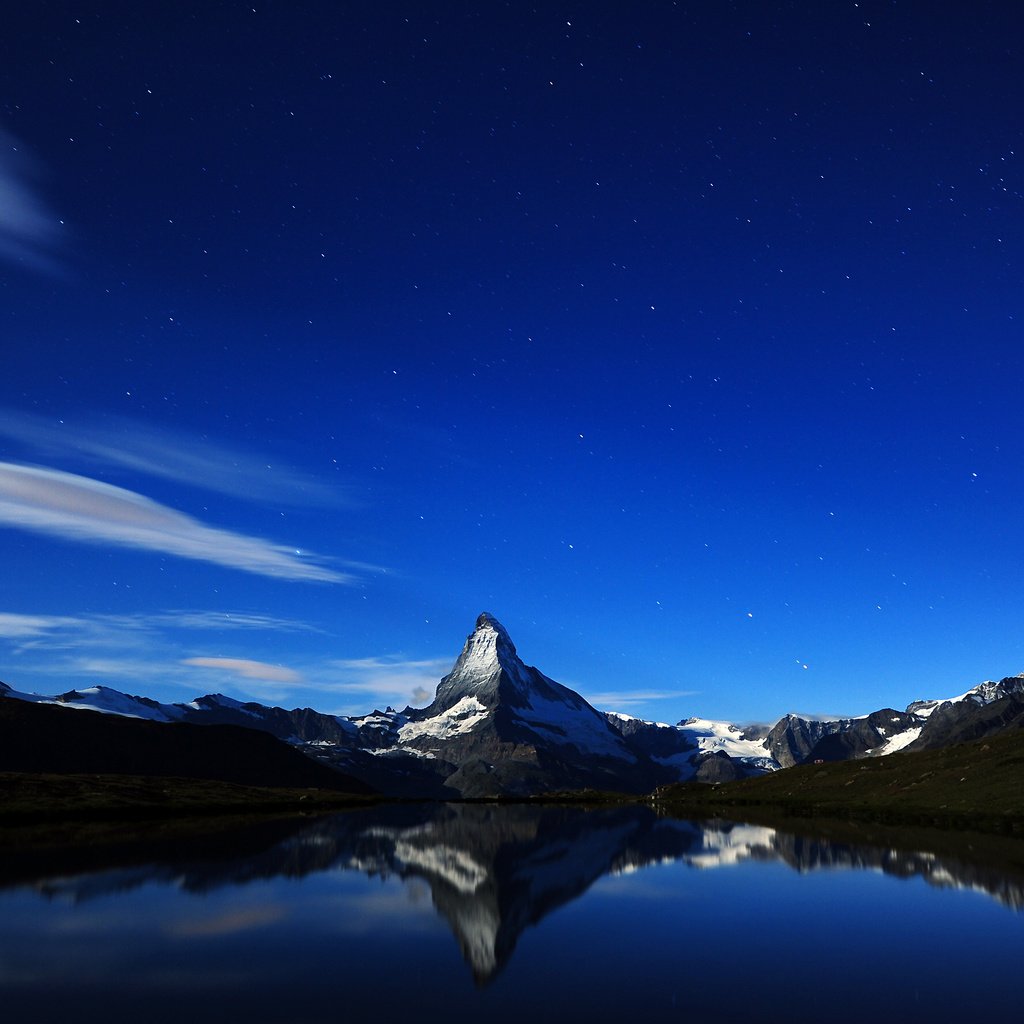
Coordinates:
[42,738]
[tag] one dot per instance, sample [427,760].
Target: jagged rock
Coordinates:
[950,723]
[717,766]
[792,738]
[860,737]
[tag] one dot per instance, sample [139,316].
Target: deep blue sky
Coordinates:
[683,338]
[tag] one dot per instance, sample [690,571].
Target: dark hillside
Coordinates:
[950,724]
[977,785]
[43,738]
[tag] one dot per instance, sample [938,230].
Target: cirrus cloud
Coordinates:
[182,456]
[29,232]
[248,669]
[79,508]
[15,626]
[613,699]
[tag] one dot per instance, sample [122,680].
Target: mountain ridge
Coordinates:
[498,727]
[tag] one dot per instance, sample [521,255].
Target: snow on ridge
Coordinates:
[393,752]
[219,700]
[31,698]
[984,693]
[101,699]
[623,717]
[374,719]
[112,702]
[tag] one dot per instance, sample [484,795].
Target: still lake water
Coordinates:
[472,912]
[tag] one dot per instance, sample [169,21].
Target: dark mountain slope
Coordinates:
[975,785]
[45,738]
[953,723]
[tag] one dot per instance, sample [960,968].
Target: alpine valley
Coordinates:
[496,727]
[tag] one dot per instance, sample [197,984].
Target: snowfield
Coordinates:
[461,718]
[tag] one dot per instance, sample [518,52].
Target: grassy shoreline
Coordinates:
[90,822]
[38,797]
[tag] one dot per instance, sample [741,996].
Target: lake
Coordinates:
[505,913]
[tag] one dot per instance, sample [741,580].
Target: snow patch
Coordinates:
[897,742]
[112,702]
[711,736]
[461,718]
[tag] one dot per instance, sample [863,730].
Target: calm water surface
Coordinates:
[469,912]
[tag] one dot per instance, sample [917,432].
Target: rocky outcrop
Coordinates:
[792,738]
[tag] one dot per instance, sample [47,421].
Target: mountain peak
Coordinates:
[488,649]
[488,656]
[487,623]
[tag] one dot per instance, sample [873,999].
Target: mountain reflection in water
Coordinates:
[494,870]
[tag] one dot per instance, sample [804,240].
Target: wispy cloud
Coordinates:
[78,508]
[29,232]
[247,669]
[137,672]
[119,632]
[176,455]
[341,687]
[614,700]
[164,654]
[53,633]
[404,680]
[17,627]
[148,652]
[223,620]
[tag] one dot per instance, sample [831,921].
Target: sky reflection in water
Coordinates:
[354,918]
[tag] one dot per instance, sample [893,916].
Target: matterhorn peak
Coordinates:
[487,623]
[487,657]
[488,649]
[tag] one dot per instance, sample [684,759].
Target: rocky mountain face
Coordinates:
[792,738]
[985,710]
[497,726]
[507,728]
[968,720]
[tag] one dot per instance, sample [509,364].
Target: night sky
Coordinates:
[685,338]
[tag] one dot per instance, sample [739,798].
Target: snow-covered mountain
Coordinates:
[495,727]
[499,727]
[697,748]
